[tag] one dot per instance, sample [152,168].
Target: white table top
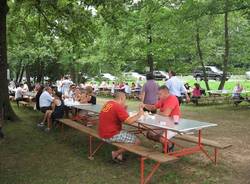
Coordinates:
[70,102]
[157,121]
[184,125]
[88,107]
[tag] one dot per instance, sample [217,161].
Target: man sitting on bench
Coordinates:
[111,117]
[169,106]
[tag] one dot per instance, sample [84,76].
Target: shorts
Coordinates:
[122,137]
[56,115]
[44,109]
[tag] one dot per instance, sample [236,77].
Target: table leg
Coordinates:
[166,141]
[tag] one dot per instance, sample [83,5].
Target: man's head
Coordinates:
[171,73]
[58,95]
[120,98]
[49,90]
[149,76]
[163,92]
[73,87]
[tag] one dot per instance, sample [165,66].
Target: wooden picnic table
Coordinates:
[152,123]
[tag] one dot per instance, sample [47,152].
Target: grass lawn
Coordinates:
[229,85]
[31,156]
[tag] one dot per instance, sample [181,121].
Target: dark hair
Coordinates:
[172,73]
[197,85]
[59,94]
[149,76]
[163,87]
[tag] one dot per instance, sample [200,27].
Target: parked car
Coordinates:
[134,75]
[108,76]
[213,73]
[160,75]
[248,75]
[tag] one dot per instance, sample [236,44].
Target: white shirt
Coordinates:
[59,85]
[127,89]
[45,99]
[113,89]
[25,88]
[19,93]
[175,86]
[66,84]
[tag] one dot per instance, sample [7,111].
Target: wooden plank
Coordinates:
[23,103]
[137,149]
[205,142]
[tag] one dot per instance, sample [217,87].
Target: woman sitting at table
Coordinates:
[90,96]
[56,112]
[77,94]
[169,106]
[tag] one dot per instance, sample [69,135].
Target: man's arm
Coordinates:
[134,118]
[149,107]
[142,96]
[184,90]
[166,112]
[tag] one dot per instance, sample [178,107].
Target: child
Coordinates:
[196,94]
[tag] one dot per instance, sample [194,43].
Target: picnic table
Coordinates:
[158,122]
[152,123]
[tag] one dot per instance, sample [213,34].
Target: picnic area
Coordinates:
[140,91]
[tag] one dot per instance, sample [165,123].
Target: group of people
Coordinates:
[166,99]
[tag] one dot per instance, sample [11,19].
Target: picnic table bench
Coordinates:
[204,142]
[143,152]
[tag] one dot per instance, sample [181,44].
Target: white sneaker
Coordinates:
[40,124]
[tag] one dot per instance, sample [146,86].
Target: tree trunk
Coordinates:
[18,71]
[21,74]
[28,76]
[226,54]
[201,57]
[6,110]
[40,71]
[150,59]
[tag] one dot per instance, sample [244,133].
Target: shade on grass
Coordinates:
[29,155]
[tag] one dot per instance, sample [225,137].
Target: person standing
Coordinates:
[176,87]
[149,92]
[66,84]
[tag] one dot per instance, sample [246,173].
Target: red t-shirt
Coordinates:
[110,119]
[170,102]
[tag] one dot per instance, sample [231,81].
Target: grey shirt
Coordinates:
[150,88]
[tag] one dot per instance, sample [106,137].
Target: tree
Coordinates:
[6,112]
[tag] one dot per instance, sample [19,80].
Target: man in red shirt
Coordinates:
[169,106]
[111,117]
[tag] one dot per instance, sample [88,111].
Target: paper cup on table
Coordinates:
[163,123]
[176,118]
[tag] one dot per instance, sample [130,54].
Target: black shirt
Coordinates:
[92,100]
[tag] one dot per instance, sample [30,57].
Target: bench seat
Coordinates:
[205,142]
[137,149]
